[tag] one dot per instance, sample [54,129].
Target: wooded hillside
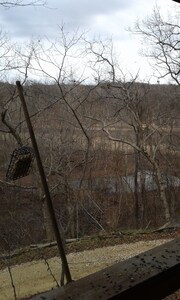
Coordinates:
[110,152]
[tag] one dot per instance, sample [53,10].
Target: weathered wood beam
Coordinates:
[151,275]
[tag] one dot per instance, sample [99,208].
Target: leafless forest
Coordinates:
[109,145]
[110,153]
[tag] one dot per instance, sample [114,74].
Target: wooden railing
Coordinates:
[154,274]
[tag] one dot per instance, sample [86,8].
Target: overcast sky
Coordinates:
[105,18]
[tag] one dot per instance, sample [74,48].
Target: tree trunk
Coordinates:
[161,187]
[162,193]
[47,222]
[138,185]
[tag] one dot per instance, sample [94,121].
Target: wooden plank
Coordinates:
[151,275]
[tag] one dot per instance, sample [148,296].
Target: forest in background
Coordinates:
[111,158]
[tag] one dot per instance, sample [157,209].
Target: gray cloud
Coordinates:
[101,17]
[27,21]
[31,21]
[85,8]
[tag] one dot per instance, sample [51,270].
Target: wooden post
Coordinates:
[44,184]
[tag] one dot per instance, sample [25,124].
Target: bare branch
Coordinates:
[163,40]
[15,3]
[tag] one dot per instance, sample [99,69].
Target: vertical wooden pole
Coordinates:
[44,184]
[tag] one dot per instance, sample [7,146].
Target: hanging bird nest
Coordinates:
[20,164]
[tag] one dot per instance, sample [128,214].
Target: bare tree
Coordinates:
[62,56]
[147,125]
[162,36]
[143,133]
[53,63]
[104,66]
